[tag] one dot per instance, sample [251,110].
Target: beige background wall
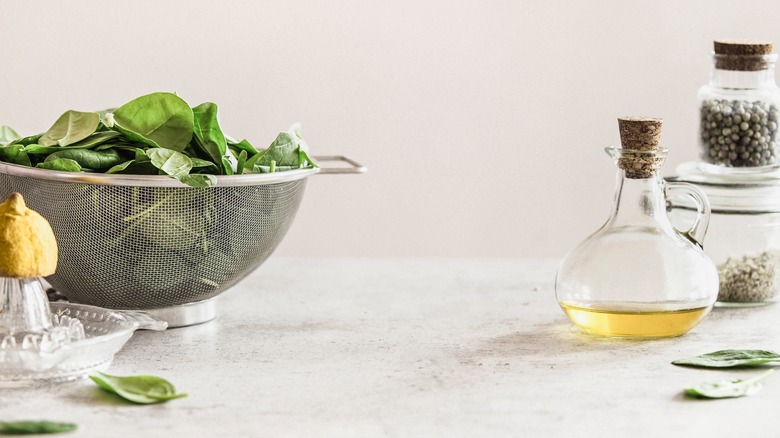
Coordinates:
[482,122]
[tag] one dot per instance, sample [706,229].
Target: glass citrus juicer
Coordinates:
[637,275]
[42,342]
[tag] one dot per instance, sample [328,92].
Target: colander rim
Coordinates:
[152,180]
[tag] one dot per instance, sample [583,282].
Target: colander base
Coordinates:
[183,315]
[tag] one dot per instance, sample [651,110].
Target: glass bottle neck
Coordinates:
[638,200]
[739,79]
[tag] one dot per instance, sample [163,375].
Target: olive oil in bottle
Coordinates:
[635,323]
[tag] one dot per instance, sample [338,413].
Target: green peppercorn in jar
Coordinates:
[740,109]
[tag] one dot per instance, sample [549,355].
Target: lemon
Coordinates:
[28,247]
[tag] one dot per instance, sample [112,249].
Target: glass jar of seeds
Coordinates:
[740,109]
[744,231]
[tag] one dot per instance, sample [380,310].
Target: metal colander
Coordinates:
[149,242]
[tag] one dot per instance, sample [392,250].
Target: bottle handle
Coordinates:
[699,227]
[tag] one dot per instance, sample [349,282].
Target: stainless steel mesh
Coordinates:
[147,247]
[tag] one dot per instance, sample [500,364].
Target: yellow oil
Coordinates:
[643,324]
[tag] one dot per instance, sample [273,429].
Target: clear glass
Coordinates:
[638,276]
[744,233]
[103,333]
[739,116]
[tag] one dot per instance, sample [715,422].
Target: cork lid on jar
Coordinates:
[742,55]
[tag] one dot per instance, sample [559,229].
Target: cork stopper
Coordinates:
[641,156]
[639,133]
[742,55]
[742,47]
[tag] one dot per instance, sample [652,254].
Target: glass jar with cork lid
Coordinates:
[744,232]
[639,276]
[740,109]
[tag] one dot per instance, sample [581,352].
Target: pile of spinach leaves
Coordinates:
[155,134]
[171,245]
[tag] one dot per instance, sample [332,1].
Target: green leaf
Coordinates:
[157,119]
[288,149]
[135,167]
[203,166]
[15,154]
[71,127]
[242,145]
[730,358]
[241,162]
[120,167]
[250,163]
[728,388]
[167,222]
[63,164]
[138,389]
[7,135]
[209,136]
[96,139]
[39,149]
[199,180]
[170,162]
[30,139]
[284,150]
[34,427]
[89,159]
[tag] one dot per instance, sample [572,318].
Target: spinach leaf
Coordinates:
[730,358]
[154,134]
[170,162]
[209,136]
[34,427]
[96,139]
[15,154]
[288,149]
[164,223]
[39,149]
[88,159]
[64,164]
[728,388]
[241,162]
[135,167]
[71,127]
[242,145]
[7,135]
[204,165]
[30,139]
[199,180]
[158,120]
[120,167]
[138,389]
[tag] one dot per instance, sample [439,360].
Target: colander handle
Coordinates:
[354,166]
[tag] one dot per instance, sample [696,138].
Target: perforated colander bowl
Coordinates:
[148,242]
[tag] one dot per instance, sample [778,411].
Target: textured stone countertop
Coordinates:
[413,348]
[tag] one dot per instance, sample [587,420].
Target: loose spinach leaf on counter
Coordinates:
[138,389]
[730,358]
[728,388]
[34,427]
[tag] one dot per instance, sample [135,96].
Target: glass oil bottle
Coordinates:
[638,276]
